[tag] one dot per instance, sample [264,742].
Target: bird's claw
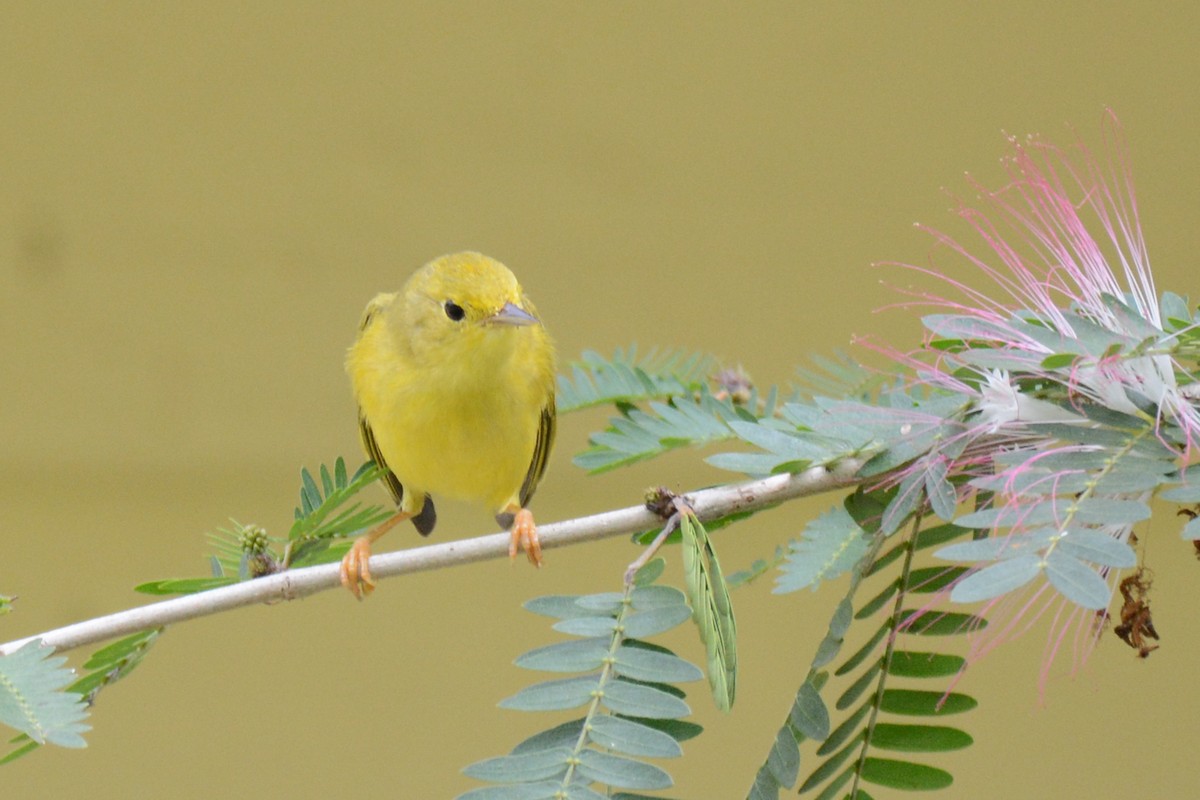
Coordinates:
[524,536]
[356,570]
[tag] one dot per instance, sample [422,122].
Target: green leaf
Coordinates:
[121,650]
[827,769]
[904,775]
[562,607]
[587,626]
[1098,548]
[839,623]
[31,700]
[1107,511]
[315,517]
[914,702]
[830,546]
[997,579]
[112,663]
[1191,531]
[677,729]
[928,580]
[543,790]
[521,768]
[943,499]
[649,597]
[877,602]
[625,378]
[649,572]
[632,738]
[712,610]
[1025,515]
[621,772]
[183,585]
[842,733]
[648,665]
[863,653]
[855,690]
[564,735]
[905,664]
[994,548]
[941,623]
[22,746]
[1058,361]
[1076,581]
[577,655]
[634,699]
[553,695]
[809,714]
[783,761]
[918,738]
[644,434]
[643,624]
[1189,493]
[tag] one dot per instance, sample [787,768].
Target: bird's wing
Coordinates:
[541,452]
[426,518]
[395,489]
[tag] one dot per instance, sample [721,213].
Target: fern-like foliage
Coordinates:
[626,378]
[1066,507]
[831,545]
[33,699]
[639,434]
[632,709]
[875,713]
[105,667]
[838,376]
[324,515]
[321,516]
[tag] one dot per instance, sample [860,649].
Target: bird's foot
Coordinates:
[525,537]
[356,571]
[356,568]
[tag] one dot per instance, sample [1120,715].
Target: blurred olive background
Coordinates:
[197,199]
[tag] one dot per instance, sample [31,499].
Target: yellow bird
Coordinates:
[454,378]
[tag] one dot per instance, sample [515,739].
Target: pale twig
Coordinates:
[709,504]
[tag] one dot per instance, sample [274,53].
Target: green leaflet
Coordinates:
[642,434]
[632,708]
[104,667]
[627,378]
[315,517]
[711,609]
[999,578]
[904,775]
[808,712]
[325,513]
[33,699]
[632,738]
[829,546]
[869,710]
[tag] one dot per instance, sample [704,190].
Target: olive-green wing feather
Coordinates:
[426,518]
[395,489]
[541,452]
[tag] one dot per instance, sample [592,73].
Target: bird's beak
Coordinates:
[511,314]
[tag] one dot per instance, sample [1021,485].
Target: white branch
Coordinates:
[708,503]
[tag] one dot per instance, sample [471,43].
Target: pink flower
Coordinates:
[1068,354]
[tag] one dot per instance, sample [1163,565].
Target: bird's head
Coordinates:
[465,300]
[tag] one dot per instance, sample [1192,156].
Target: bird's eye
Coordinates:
[454,311]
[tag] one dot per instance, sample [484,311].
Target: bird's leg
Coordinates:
[356,572]
[524,535]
